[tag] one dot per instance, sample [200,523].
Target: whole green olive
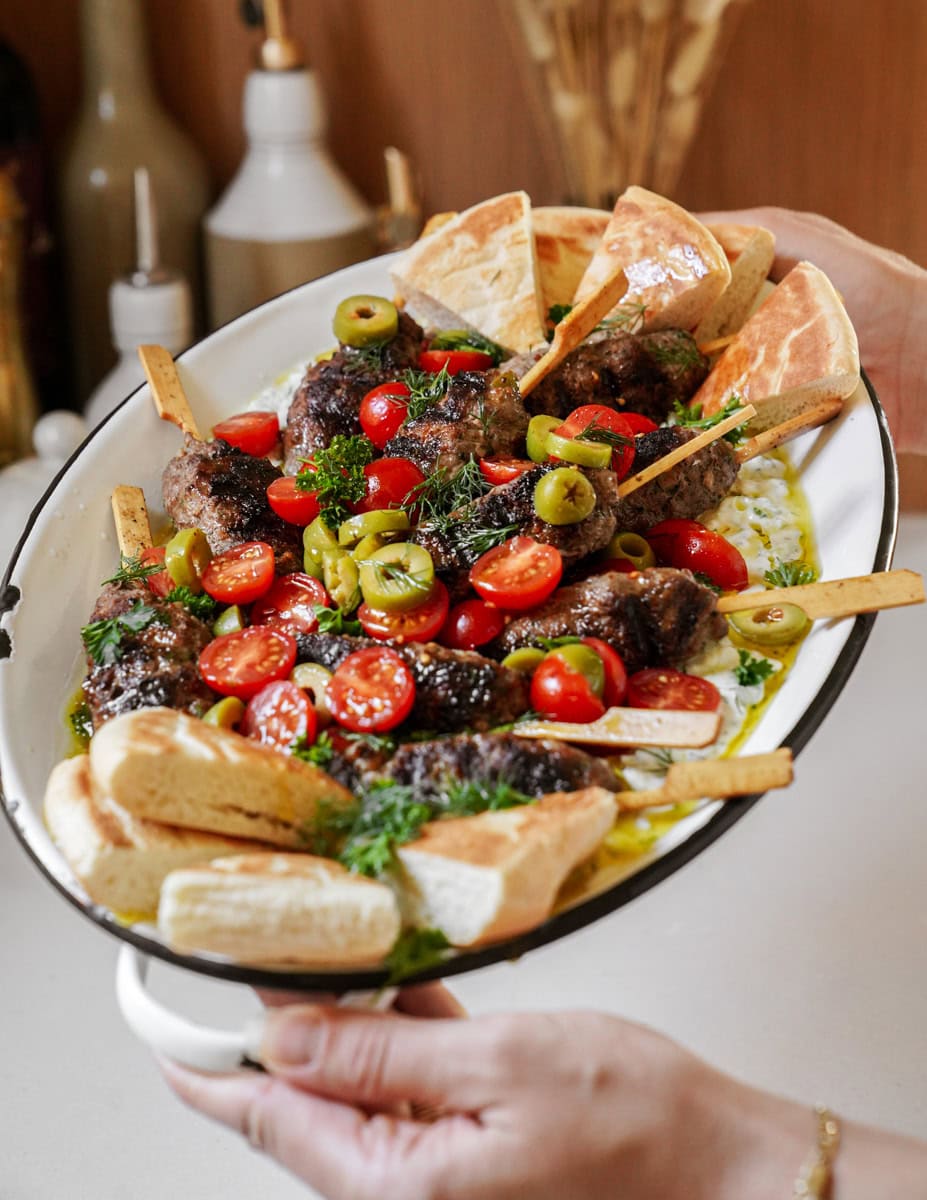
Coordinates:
[563,496]
[365,321]
[632,547]
[776,625]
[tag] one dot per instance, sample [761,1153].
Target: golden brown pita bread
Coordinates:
[565,240]
[797,350]
[675,268]
[478,270]
[750,250]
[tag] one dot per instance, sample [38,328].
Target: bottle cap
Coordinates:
[157,311]
[283,106]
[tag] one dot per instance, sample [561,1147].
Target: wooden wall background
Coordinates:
[820,105]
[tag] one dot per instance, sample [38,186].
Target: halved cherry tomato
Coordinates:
[422,624]
[504,470]
[639,423]
[254,432]
[519,574]
[616,677]
[560,693]
[240,664]
[240,575]
[290,604]
[290,502]
[690,546]
[598,416]
[278,715]
[382,412]
[455,361]
[371,691]
[159,582]
[470,624]
[389,482]
[660,687]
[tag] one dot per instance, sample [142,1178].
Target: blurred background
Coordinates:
[718,103]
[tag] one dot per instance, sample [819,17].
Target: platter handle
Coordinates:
[192,1045]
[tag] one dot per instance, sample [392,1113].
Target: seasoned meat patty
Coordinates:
[156,665]
[652,618]
[454,689]
[328,399]
[223,491]
[481,416]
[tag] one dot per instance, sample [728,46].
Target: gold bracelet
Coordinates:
[817,1177]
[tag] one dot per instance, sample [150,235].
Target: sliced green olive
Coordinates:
[370,543]
[632,547]
[230,620]
[576,450]
[314,679]
[524,659]
[365,321]
[536,439]
[563,496]
[318,536]
[381,520]
[340,576]
[186,557]
[584,660]
[225,714]
[397,577]
[774,626]
[313,563]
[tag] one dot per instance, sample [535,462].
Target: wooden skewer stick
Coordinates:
[778,435]
[836,597]
[717,778]
[130,514]
[575,328]
[169,397]
[705,438]
[677,729]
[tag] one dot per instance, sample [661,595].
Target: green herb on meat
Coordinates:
[442,494]
[568,639]
[415,951]
[336,474]
[594,432]
[81,721]
[103,639]
[320,753]
[707,581]
[464,339]
[790,574]
[378,742]
[132,570]
[679,353]
[752,670]
[425,389]
[627,317]
[333,620]
[475,540]
[557,312]
[691,417]
[389,816]
[528,715]
[465,797]
[326,833]
[201,606]
[363,359]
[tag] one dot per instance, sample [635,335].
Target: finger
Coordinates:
[431,1000]
[332,1146]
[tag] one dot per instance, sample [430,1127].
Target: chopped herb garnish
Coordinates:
[474,540]
[752,670]
[389,816]
[202,606]
[333,620]
[468,796]
[373,741]
[103,639]
[415,951]
[691,417]
[553,643]
[790,574]
[81,721]
[679,352]
[594,432]
[463,339]
[442,494]
[320,753]
[132,569]
[708,582]
[336,474]
[425,388]
[363,359]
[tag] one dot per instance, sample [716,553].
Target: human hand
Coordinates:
[885,295]
[555,1107]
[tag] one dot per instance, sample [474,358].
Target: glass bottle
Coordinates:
[121,126]
[18,406]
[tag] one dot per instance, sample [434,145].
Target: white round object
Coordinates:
[159,313]
[58,434]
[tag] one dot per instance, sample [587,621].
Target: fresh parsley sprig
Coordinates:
[133,570]
[336,474]
[790,574]
[80,719]
[414,951]
[752,670]
[334,620]
[103,639]
[465,797]
[691,417]
[202,606]
[320,753]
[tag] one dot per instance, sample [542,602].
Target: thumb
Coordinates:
[379,1059]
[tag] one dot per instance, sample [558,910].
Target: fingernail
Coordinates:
[254,1036]
[290,1038]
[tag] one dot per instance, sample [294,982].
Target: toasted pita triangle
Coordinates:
[750,250]
[478,270]
[673,264]
[565,240]
[798,350]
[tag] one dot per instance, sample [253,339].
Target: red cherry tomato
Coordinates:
[660,687]
[278,715]
[470,624]
[371,691]
[422,624]
[639,423]
[504,470]
[290,604]
[159,582]
[600,416]
[240,664]
[455,361]
[690,546]
[616,677]
[290,502]
[240,575]
[519,574]
[382,412]
[560,693]
[389,482]
[254,432]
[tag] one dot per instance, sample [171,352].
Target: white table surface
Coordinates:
[793,953]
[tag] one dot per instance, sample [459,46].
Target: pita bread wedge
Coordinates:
[482,878]
[798,350]
[750,250]
[675,268]
[565,240]
[121,860]
[478,270]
